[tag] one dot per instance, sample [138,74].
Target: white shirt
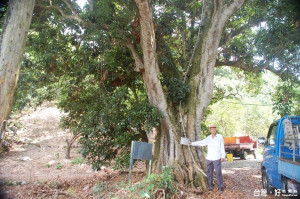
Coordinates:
[215,147]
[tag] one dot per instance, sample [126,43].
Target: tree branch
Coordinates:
[66,16]
[75,14]
[283,72]
[233,34]
[70,7]
[139,65]
[221,93]
[242,65]
[91,5]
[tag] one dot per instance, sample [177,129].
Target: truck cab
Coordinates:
[280,167]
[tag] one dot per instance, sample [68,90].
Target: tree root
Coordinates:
[180,174]
[58,193]
[189,176]
[159,193]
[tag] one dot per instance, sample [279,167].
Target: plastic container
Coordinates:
[229,157]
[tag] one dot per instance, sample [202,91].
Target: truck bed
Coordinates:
[240,146]
[289,168]
[241,142]
[289,159]
[289,153]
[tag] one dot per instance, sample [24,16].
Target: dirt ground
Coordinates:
[35,167]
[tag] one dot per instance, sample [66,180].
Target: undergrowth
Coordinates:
[155,186]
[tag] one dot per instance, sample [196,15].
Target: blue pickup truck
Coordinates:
[280,167]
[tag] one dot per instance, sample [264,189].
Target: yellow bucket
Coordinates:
[229,157]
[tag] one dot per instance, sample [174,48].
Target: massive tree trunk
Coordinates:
[216,14]
[167,141]
[14,33]
[168,150]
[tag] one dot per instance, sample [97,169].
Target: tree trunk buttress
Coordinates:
[166,141]
[13,38]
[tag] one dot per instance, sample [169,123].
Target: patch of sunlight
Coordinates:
[25,158]
[243,168]
[227,171]
[81,3]
[18,149]
[43,138]
[257,176]
[51,111]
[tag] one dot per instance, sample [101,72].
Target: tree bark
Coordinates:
[217,13]
[16,26]
[166,142]
[3,129]
[69,145]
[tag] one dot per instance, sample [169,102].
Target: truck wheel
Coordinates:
[243,155]
[265,183]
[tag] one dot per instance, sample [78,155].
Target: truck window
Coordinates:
[271,135]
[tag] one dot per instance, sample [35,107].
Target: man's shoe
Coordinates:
[221,190]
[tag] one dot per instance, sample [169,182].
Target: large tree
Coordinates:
[167,146]
[13,38]
[134,28]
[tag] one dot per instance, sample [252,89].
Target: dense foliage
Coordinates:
[96,86]
[108,124]
[287,99]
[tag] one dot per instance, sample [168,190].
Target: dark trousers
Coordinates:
[210,166]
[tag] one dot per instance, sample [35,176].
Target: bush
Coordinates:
[107,125]
[155,186]
[77,160]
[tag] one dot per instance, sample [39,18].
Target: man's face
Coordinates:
[213,130]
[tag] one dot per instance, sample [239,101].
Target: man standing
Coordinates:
[215,155]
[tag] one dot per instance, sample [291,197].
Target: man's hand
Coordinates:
[222,159]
